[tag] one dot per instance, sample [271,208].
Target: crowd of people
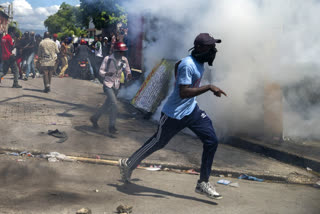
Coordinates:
[109,64]
[20,53]
[32,54]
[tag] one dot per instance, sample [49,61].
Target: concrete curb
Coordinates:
[180,168]
[278,154]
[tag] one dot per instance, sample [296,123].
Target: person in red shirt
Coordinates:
[8,59]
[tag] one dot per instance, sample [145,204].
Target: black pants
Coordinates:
[198,122]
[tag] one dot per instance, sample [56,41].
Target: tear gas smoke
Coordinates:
[262,41]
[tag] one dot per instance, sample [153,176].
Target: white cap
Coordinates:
[105,38]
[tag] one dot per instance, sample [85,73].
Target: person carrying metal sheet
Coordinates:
[181,111]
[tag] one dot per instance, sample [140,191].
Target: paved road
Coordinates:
[37,186]
[27,114]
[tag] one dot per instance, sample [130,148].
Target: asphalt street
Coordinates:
[33,185]
[36,186]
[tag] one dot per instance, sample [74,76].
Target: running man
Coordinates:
[181,111]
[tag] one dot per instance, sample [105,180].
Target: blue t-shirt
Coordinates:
[189,73]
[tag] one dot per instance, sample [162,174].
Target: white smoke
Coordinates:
[262,41]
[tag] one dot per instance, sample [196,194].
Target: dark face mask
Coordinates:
[207,56]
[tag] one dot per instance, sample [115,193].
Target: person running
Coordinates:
[111,69]
[181,111]
[47,54]
[9,59]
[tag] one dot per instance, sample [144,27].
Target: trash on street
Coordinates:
[234,185]
[123,209]
[309,169]
[56,156]
[58,134]
[52,160]
[84,211]
[224,182]
[247,177]
[192,171]
[153,168]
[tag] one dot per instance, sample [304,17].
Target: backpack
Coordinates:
[122,79]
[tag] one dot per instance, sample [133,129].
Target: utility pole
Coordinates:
[10,13]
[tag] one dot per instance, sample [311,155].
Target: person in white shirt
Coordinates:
[110,70]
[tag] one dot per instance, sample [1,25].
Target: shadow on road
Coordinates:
[138,190]
[32,89]
[75,105]
[90,130]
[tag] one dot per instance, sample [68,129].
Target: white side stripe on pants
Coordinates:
[152,143]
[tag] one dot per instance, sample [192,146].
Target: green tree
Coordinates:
[102,12]
[66,21]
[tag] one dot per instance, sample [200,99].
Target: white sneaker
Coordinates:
[125,171]
[205,188]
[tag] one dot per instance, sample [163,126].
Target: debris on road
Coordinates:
[56,133]
[309,169]
[228,183]
[153,168]
[53,160]
[234,185]
[84,211]
[29,154]
[123,209]
[247,177]
[192,171]
[224,182]
[56,156]
[21,154]
[20,160]
[317,184]
[295,177]
[96,190]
